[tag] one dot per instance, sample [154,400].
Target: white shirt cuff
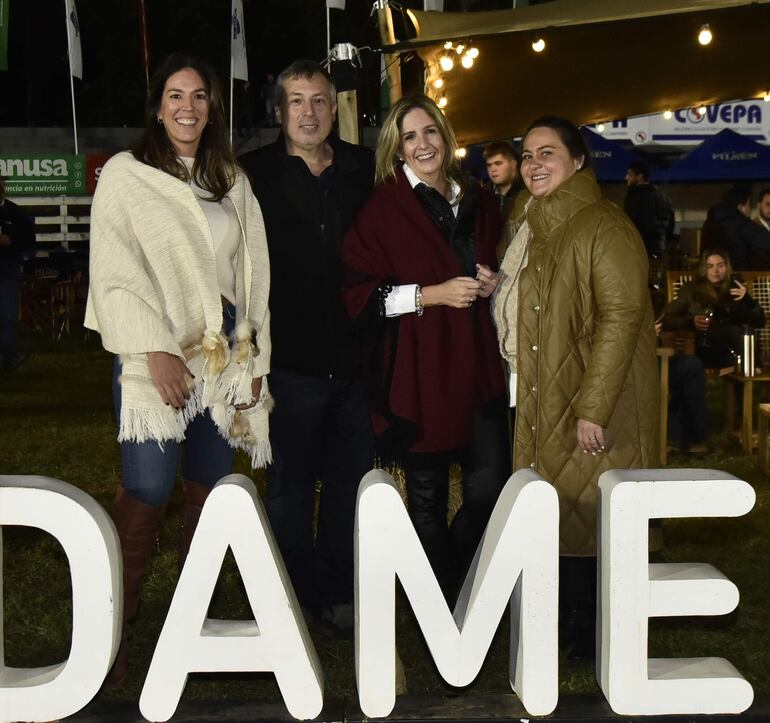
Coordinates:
[512,388]
[400,300]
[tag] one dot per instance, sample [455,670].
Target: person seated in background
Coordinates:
[718,307]
[688,414]
[728,225]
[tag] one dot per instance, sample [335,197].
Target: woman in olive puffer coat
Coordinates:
[575,324]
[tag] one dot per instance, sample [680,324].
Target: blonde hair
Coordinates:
[389,142]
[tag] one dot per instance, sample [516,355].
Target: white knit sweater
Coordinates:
[153,287]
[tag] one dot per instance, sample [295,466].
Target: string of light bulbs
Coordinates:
[467,54]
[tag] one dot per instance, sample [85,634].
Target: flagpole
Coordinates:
[231,98]
[232,14]
[328,33]
[72,82]
[145,44]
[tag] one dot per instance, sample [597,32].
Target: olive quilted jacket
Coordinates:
[586,349]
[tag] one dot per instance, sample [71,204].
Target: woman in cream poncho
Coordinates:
[178,263]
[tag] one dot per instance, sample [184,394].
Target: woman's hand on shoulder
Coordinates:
[590,437]
[459,292]
[488,279]
[171,377]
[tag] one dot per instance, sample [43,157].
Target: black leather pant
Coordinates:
[486,467]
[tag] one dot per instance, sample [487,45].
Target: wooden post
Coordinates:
[347,114]
[388,37]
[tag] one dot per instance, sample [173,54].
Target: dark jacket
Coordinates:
[15,224]
[426,374]
[719,346]
[651,213]
[507,200]
[747,243]
[305,218]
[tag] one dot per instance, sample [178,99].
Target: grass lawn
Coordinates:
[56,420]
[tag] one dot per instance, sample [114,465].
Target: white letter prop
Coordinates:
[85,531]
[632,590]
[277,639]
[518,554]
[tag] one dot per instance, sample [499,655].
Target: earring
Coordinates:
[160,121]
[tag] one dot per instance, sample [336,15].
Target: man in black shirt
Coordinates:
[310,185]
[17,240]
[649,210]
[504,179]
[728,225]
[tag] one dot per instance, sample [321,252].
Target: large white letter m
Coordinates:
[517,560]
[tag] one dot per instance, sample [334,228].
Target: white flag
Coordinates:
[73,40]
[240,63]
[335,4]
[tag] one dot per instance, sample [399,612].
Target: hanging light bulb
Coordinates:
[766,97]
[442,102]
[448,45]
[600,127]
[667,114]
[473,52]
[461,152]
[538,45]
[702,110]
[446,62]
[467,61]
[459,49]
[438,84]
[705,35]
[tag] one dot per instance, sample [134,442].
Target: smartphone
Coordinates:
[737,279]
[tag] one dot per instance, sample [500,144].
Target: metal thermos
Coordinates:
[747,357]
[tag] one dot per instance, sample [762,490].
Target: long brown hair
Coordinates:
[706,292]
[389,141]
[214,168]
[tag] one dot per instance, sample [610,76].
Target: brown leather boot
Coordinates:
[195,495]
[138,525]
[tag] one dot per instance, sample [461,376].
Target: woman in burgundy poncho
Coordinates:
[419,262]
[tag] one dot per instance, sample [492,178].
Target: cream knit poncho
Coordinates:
[153,287]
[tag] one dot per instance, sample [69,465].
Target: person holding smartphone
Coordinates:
[718,307]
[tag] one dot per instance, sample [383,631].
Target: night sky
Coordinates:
[35,90]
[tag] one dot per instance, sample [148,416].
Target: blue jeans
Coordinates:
[150,468]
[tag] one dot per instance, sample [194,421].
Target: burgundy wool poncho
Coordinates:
[426,375]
